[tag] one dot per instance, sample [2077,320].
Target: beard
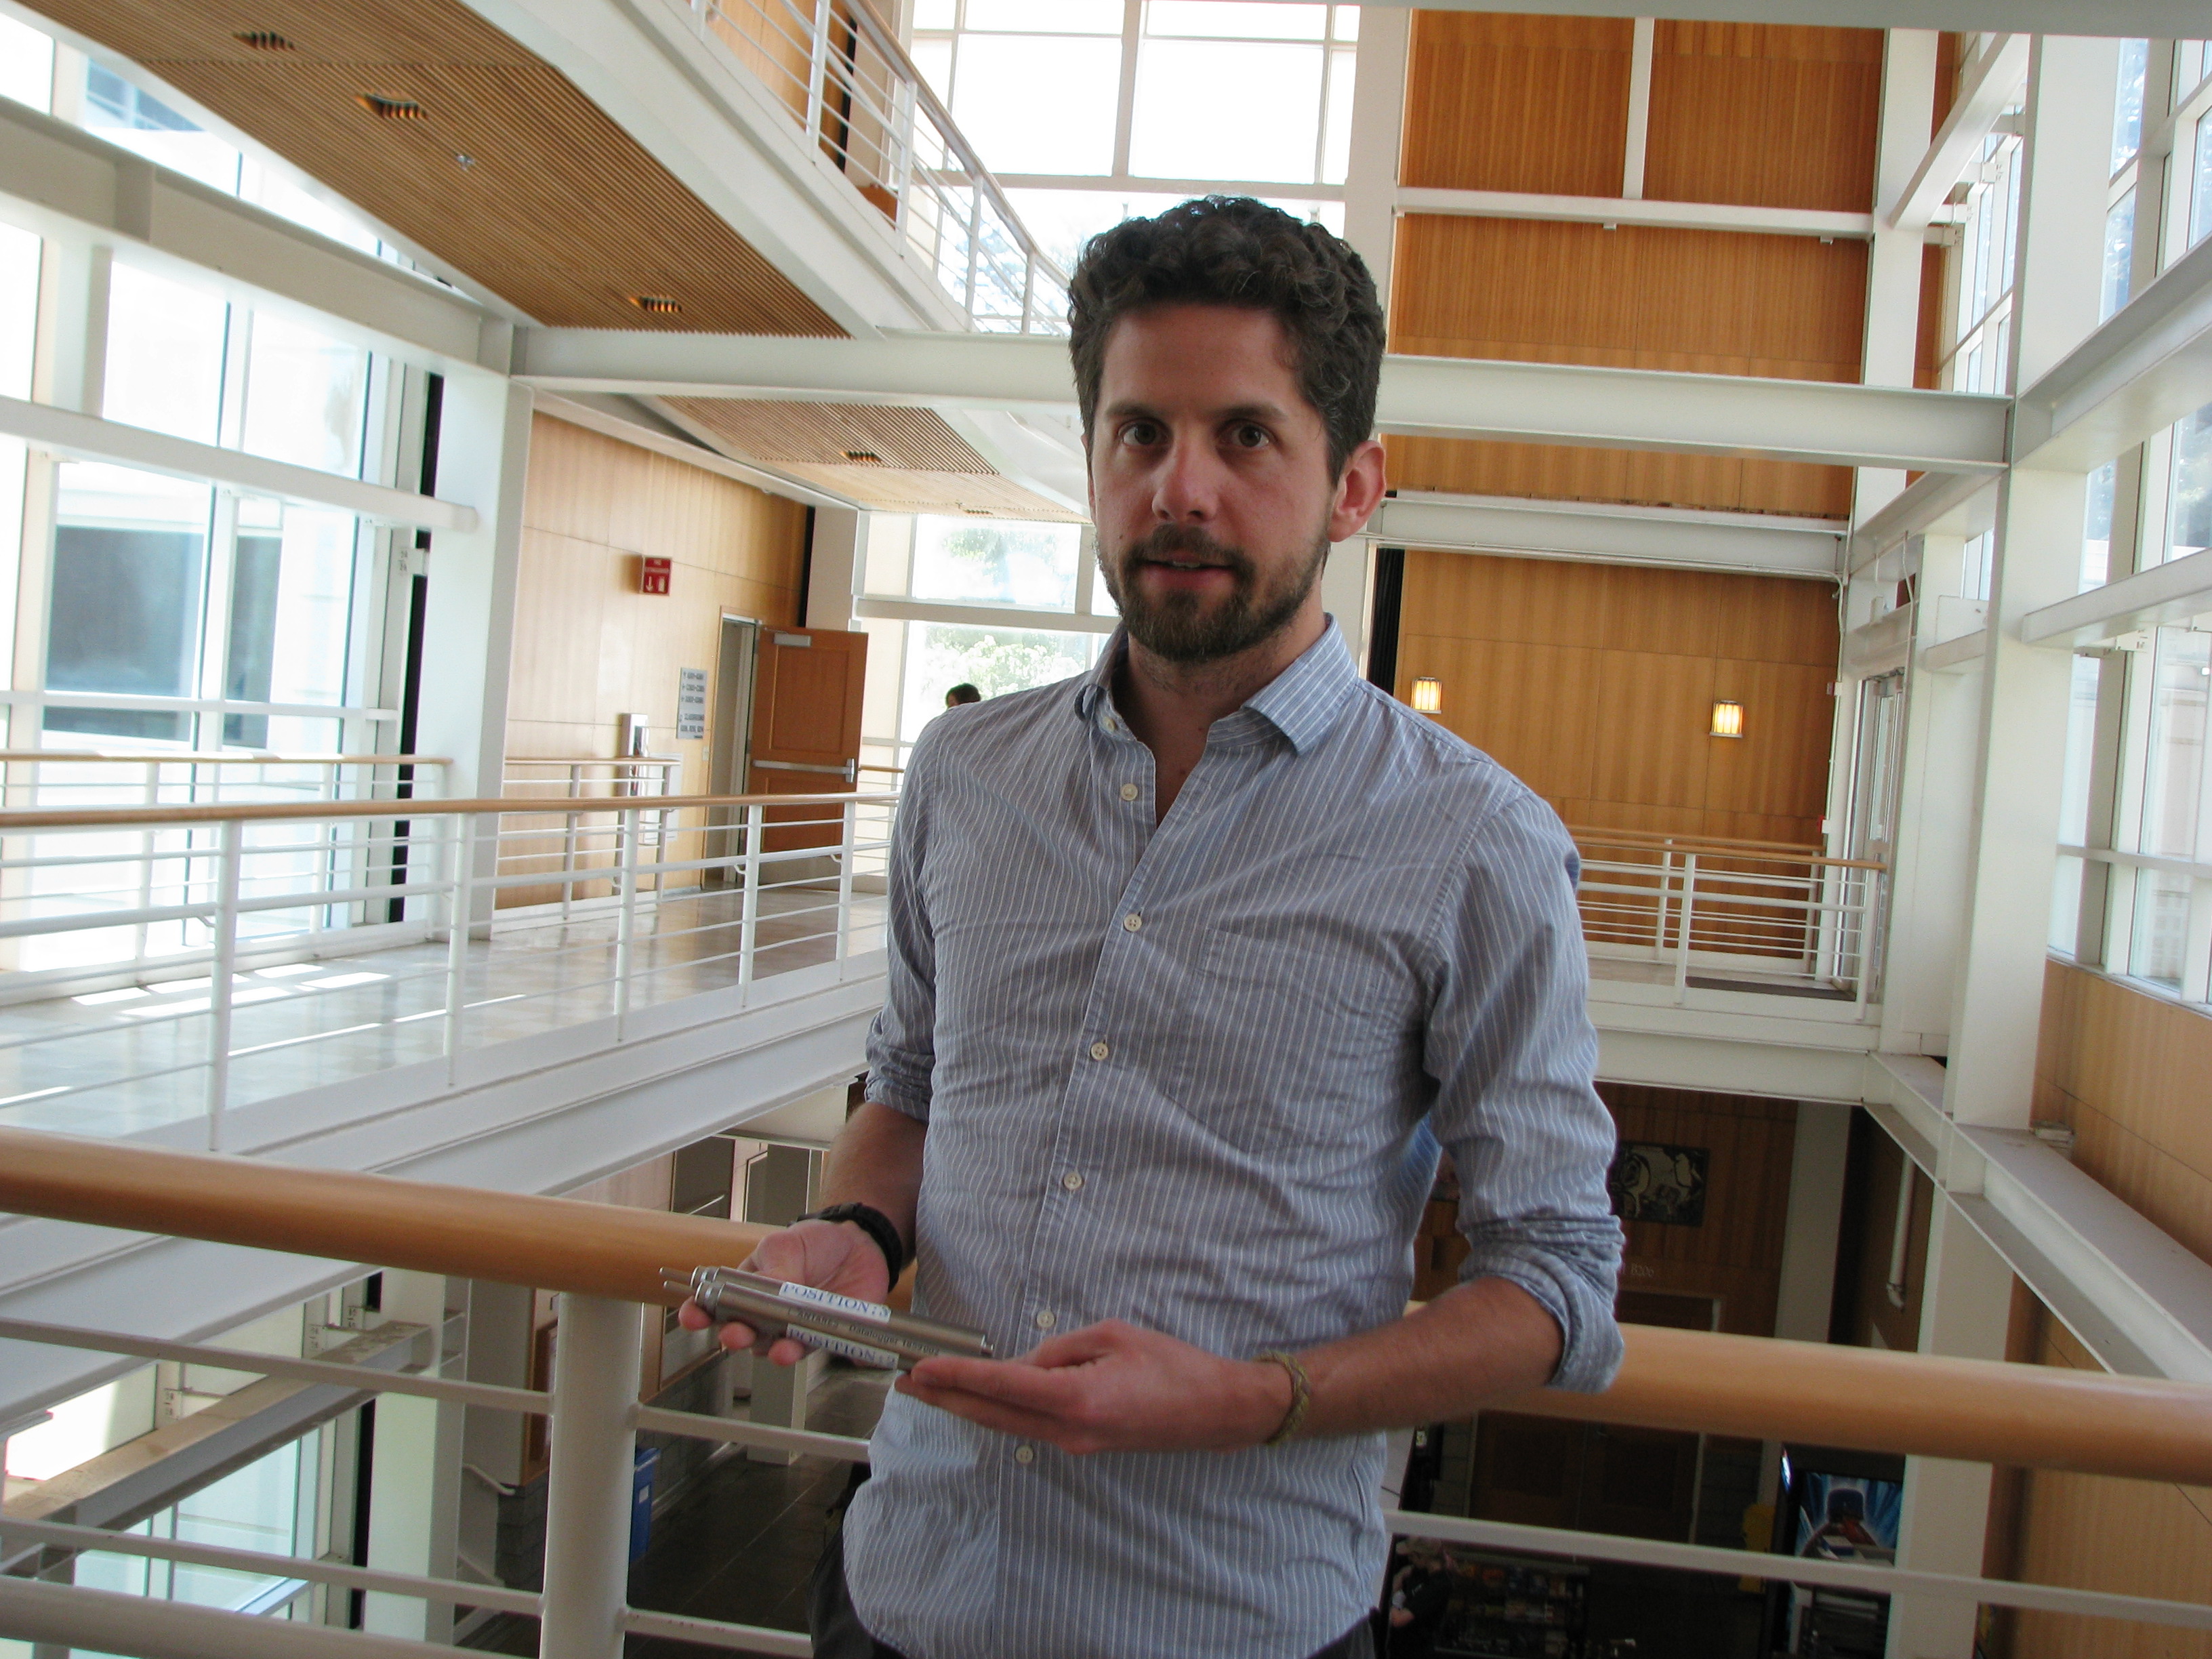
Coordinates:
[1187,627]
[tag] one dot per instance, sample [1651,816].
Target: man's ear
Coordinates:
[1359,492]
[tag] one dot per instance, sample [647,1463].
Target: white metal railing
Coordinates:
[603,906]
[849,86]
[1753,914]
[183,777]
[584,1612]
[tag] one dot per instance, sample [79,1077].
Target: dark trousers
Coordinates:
[839,1634]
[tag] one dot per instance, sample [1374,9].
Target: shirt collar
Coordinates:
[1302,703]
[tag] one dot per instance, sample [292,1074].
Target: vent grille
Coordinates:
[657,304]
[866,457]
[264,40]
[391,109]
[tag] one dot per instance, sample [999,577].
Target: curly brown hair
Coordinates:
[1233,251]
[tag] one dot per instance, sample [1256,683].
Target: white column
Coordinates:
[1965,1304]
[1893,258]
[2014,815]
[587,1498]
[833,567]
[1813,1222]
[1378,115]
[415,1476]
[468,644]
[1347,592]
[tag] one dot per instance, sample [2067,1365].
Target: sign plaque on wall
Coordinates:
[652,575]
[691,704]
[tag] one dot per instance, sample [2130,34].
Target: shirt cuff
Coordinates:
[882,1091]
[1589,1337]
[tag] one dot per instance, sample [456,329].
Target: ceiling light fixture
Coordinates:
[657,304]
[391,109]
[1428,697]
[264,40]
[1728,720]
[864,457]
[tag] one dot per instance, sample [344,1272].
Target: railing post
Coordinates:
[848,843]
[148,840]
[229,862]
[460,917]
[569,842]
[818,70]
[630,825]
[596,1359]
[1682,927]
[975,240]
[1666,894]
[748,913]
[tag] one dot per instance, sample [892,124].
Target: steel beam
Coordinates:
[1984,89]
[72,187]
[2148,365]
[1611,535]
[1440,397]
[1623,210]
[88,438]
[2163,593]
[2158,19]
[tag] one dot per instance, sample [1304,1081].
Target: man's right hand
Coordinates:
[831,1255]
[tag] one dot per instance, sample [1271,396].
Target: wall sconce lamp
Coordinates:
[1428,695]
[1728,720]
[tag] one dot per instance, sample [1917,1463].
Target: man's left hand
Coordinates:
[1112,1387]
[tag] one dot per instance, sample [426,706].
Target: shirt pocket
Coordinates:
[1295,1037]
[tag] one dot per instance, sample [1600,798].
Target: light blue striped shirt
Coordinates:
[1185,1076]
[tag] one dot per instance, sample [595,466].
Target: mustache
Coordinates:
[1185,544]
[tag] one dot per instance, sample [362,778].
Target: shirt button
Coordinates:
[1132,921]
[1099,1051]
[1025,1454]
[1072,1181]
[1129,792]
[1044,1319]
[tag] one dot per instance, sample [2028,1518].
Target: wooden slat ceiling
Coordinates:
[891,460]
[555,209]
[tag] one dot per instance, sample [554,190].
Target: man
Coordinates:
[963,693]
[1185,954]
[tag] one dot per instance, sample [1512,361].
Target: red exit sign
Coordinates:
[653,575]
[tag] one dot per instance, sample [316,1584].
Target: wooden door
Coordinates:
[806,727]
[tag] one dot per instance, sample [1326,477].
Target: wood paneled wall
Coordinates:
[1759,114]
[1498,101]
[1767,115]
[2126,1071]
[1595,684]
[1735,1254]
[1697,302]
[588,645]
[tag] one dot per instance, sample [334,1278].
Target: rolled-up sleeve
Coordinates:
[901,1041]
[1511,1046]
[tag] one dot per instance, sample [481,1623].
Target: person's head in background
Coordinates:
[962,693]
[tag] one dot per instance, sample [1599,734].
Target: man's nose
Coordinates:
[1189,487]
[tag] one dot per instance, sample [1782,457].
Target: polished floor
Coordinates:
[739,1544]
[132,1057]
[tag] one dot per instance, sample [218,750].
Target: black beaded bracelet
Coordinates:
[878,1226]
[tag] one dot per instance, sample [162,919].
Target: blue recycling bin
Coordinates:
[643,1472]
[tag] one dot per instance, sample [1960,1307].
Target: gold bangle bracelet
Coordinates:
[1301,1395]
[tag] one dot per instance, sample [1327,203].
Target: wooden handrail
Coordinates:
[1760,852]
[2026,1416]
[1670,838]
[595,760]
[141,757]
[124,817]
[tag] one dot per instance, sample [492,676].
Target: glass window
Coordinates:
[2189,60]
[2097,529]
[2190,528]
[130,556]
[1061,221]
[304,396]
[2120,255]
[1027,17]
[27,65]
[1034,103]
[1244,20]
[123,114]
[256,1508]
[2173,788]
[2200,189]
[2128,106]
[19,308]
[2080,744]
[1218,109]
[165,355]
[995,660]
[996,561]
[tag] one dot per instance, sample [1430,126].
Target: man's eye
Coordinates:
[1251,437]
[1143,434]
